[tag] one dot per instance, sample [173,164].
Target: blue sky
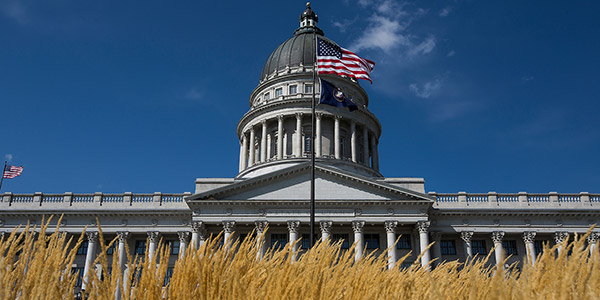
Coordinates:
[474,96]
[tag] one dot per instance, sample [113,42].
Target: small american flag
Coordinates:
[12,171]
[333,59]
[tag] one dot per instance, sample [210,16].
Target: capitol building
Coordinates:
[354,201]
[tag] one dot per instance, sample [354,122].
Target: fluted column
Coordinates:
[269,143]
[293,231]
[123,236]
[153,238]
[366,146]
[528,239]
[561,237]
[261,227]
[263,141]
[325,230]
[336,137]
[89,257]
[375,153]
[184,237]
[228,227]
[298,143]
[280,137]
[199,234]
[466,236]
[353,141]
[251,148]
[357,227]
[593,241]
[241,166]
[318,137]
[244,163]
[437,248]
[422,228]
[390,229]
[497,237]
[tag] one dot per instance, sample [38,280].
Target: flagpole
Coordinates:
[2,179]
[312,146]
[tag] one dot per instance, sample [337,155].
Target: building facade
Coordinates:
[354,202]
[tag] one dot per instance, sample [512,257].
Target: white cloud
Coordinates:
[424,47]
[451,53]
[195,94]
[8,157]
[445,12]
[343,24]
[15,10]
[425,90]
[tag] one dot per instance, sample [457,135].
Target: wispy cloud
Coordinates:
[8,157]
[445,12]
[15,11]
[195,93]
[343,25]
[451,53]
[425,90]
[527,78]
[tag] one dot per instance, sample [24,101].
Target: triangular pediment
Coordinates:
[294,184]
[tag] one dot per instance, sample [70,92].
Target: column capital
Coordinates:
[293,226]
[466,236]
[228,226]
[123,236]
[299,115]
[153,236]
[357,226]
[326,226]
[280,117]
[338,117]
[184,236]
[390,226]
[560,236]
[92,236]
[593,237]
[423,226]
[497,236]
[198,226]
[260,226]
[263,122]
[319,115]
[529,236]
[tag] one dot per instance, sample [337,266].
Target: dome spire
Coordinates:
[308,22]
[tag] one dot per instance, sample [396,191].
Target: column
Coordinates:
[422,228]
[497,237]
[318,138]
[251,148]
[357,227]
[353,141]
[228,227]
[561,237]
[122,256]
[184,237]
[280,137]
[269,143]
[153,238]
[199,234]
[366,146]
[244,151]
[528,239]
[375,152]
[336,137]
[437,248]
[466,236]
[241,167]
[298,146]
[89,257]
[261,227]
[390,229]
[263,141]
[593,241]
[293,231]
[325,230]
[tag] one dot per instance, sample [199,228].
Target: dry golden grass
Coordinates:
[41,270]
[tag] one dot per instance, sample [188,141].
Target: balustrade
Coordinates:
[531,200]
[99,199]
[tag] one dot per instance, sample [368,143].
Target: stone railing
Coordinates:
[517,200]
[96,200]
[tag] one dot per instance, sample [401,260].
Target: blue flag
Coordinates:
[332,95]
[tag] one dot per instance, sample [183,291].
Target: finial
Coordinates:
[307,4]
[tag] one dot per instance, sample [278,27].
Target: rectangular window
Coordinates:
[79,272]
[82,250]
[140,247]
[111,250]
[539,247]
[278,92]
[279,240]
[174,245]
[448,247]
[293,89]
[308,88]
[478,247]
[267,96]
[403,242]
[510,247]
[168,276]
[305,241]
[336,237]
[372,240]
[307,143]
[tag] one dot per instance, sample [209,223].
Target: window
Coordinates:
[403,242]
[83,248]
[278,240]
[539,247]
[168,276]
[267,96]
[308,89]
[174,245]
[278,92]
[510,247]
[110,250]
[140,247]
[478,247]
[307,143]
[305,241]
[79,272]
[372,240]
[293,89]
[242,237]
[448,247]
[341,236]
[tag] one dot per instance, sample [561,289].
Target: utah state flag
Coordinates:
[334,96]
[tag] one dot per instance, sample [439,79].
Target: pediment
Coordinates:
[294,184]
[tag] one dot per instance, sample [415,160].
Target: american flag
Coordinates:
[12,171]
[333,59]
